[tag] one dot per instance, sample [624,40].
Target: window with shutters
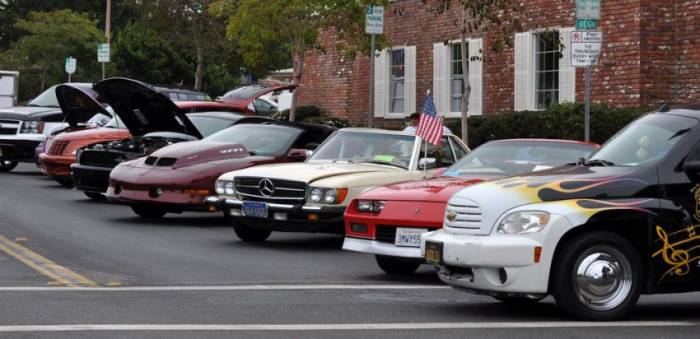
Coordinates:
[547,69]
[397,81]
[456,78]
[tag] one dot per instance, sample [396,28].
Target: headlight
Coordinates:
[373,206]
[524,222]
[228,188]
[219,187]
[328,195]
[31,127]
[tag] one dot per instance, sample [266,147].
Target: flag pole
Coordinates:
[425,148]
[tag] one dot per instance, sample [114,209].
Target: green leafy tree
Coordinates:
[499,18]
[50,38]
[263,30]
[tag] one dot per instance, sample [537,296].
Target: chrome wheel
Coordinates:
[602,278]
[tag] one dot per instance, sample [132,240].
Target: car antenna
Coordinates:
[666,106]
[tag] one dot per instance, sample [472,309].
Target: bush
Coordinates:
[564,121]
[303,112]
[329,121]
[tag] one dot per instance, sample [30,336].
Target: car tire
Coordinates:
[396,265]
[95,196]
[517,300]
[7,165]
[580,281]
[148,211]
[249,234]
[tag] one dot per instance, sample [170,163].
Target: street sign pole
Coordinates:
[587,104]
[586,46]
[371,83]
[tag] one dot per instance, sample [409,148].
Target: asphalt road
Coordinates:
[73,268]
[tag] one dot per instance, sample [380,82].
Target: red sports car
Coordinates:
[176,178]
[388,221]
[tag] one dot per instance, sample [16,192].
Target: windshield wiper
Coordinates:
[679,133]
[379,162]
[594,162]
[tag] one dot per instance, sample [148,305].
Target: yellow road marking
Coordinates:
[57,273]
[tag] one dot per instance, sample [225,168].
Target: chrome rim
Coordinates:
[603,278]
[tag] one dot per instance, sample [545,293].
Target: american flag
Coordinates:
[430,125]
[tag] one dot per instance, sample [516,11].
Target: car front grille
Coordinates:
[56,147]
[100,158]
[386,233]
[9,127]
[467,215]
[250,187]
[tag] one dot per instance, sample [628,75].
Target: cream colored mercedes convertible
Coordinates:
[311,196]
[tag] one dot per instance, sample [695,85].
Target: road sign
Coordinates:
[102,52]
[587,9]
[374,20]
[585,47]
[586,24]
[71,64]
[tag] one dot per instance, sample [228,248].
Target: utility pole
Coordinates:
[108,19]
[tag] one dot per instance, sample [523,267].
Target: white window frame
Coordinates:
[525,81]
[442,58]
[382,80]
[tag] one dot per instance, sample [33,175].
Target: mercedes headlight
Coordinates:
[328,195]
[219,187]
[228,188]
[524,222]
[316,194]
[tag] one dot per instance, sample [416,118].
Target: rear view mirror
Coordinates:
[427,163]
[297,154]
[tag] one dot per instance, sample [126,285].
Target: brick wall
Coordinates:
[651,52]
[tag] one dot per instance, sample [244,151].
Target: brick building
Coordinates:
[651,53]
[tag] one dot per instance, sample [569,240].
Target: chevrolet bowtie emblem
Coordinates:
[451,216]
[416,211]
[266,187]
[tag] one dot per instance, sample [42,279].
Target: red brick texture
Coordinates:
[651,52]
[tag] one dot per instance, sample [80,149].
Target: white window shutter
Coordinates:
[441,77]
[476,71]
[410,80]
[524,69]
[381,84]
[567,73]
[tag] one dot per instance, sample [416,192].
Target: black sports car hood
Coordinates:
[78,104]
[142,109]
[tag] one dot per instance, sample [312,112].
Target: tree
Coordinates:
[499,18]
[264,29]
[50,38]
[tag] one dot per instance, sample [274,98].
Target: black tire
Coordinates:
[148,211]
[516,300]
[67,183]
[396,265]
[249,234]
[594,252]
[7,165]
[95,196]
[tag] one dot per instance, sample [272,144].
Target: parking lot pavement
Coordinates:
[189,276]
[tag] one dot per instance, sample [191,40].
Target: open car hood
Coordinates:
[142,109]
[79,104]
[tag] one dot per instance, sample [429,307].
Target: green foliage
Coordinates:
[303,112]
[142,53]
[564,121]
[329,121]
[50,38]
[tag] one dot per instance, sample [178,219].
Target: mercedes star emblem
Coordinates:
[266,187]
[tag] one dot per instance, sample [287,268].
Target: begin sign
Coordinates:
[585,48]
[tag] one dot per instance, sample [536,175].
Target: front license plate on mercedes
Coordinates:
[256,209]
[408,237]
[433,252]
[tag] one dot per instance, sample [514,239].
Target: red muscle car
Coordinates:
[388,221]
[176,178]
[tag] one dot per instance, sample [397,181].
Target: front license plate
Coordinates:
[433,252]
[408,237]
[256,209]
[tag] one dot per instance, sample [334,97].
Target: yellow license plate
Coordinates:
[433,252]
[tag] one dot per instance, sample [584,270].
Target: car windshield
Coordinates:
[259,139]
[45,99]
[367,147]
[209,125]
[644,141]
[518,156]
[245,92]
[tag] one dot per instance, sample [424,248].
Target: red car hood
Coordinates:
[438,189]
[201,151]
[95,133]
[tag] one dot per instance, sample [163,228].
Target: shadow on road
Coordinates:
[214,220]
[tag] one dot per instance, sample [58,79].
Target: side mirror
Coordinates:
[297,154]
[692,169]
[427,163]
